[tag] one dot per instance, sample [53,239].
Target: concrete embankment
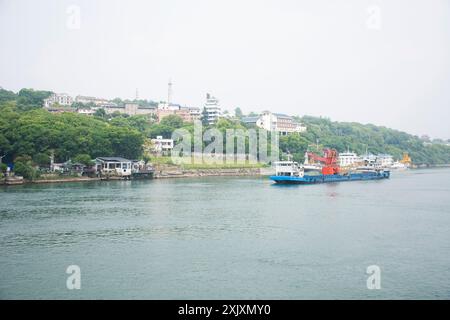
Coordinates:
[74,179]
[177,172]
[11,182]
[161,172]
[181,173]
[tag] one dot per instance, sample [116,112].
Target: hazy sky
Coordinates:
[383,62]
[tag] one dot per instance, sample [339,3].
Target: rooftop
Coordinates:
[250,119]
[113,159]
[282,115]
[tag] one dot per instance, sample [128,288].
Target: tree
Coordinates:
[83,159]
[6,96]
[160,130]
[116,114]
[126,142]
[141,123]
[41,159]
[26,170]
[173,121]
[204,117]
[29,99]
[148,147]
[238,113]
[100,113]
[80,105]
[5,146]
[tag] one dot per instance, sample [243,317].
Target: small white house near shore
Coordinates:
[114,165]
[162,146]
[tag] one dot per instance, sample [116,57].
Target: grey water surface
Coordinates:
[228,238]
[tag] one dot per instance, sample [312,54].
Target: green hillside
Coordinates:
[29,132]
[359,138]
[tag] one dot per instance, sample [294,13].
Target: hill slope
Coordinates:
[359,137]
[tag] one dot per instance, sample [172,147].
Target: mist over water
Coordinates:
[228,238]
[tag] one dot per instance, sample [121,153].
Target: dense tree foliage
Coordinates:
[238,113]
[359,138]
[7,96]
[26,130]
[69,134]
[204,117]
[29,99]
[29,134]
[166,126]
[24,167]
[83,159]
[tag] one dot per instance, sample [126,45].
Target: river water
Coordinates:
[228,238]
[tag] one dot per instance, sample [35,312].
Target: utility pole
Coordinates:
[1,157]
[52,160]
[169,93]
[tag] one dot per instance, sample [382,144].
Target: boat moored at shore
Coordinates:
[301,178]
[290,172]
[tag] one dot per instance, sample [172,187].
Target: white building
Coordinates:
[161,145]
[62,99]
[113,166]
[168,106]
[212,108]
[279,122]
[86,111]
[385,160]
[131,109]
[250,120]
[195,113]
[94,100]
[348,159]
[369,158]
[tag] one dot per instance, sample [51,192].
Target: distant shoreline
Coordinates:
[177,172]
[174,172]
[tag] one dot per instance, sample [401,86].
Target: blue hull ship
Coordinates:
[331,178]
[289,172]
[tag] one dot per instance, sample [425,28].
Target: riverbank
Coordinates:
[167,171]
[71,179]
[177,172]
[161,172]
[46,181]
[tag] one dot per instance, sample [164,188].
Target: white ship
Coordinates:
[397,165]
[308,167]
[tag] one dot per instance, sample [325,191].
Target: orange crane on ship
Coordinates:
[406,159]
[329,159]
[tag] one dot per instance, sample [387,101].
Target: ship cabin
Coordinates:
[288,169]
[114,166]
